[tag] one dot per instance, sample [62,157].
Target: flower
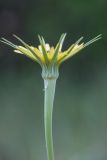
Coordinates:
[48,57]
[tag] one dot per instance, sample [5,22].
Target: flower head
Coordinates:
[49,57]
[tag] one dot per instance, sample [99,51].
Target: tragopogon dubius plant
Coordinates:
[49,58]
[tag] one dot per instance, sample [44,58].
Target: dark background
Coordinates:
[80,109]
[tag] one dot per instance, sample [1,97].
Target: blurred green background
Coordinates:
[80,109]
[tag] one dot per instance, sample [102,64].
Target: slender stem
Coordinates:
[49,85]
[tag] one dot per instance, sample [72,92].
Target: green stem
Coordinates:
[49,85]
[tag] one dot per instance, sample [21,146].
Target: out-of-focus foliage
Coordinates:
[80,111]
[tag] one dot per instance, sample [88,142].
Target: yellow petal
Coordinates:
[23,50]
[75,50]
[39,54]
[17,51]
[61,55]
[51,53]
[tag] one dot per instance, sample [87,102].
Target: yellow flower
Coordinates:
[47,56]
